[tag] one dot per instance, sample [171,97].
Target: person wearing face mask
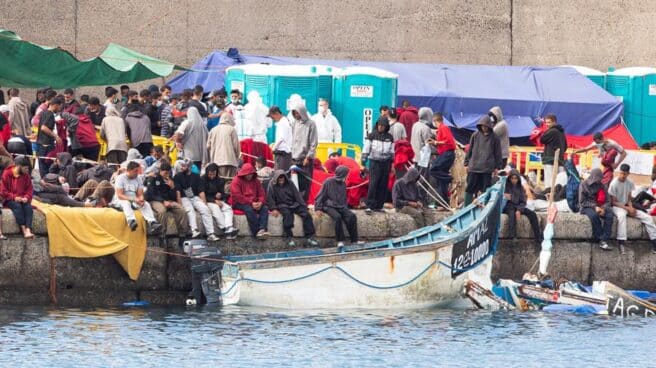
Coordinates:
[112,100]
[256,113]
[328,128]
[604,146]
[239,114]
[553,138]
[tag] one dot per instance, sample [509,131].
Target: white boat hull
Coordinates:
[403,281]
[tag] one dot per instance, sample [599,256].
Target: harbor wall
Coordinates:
[166,279]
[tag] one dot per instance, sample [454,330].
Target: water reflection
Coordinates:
[257,336]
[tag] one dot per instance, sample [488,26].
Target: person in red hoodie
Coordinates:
[408,116]
[249,197]
[16,191]
[87,140]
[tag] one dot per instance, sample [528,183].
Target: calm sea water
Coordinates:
[249,337]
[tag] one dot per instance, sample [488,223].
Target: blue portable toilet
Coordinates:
[598,77]
[636,88]
[358,93]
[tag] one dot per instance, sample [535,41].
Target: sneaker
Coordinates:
[154,228]
[653,251]
[359,242]
[290,242]
[231,233]
[133,225]
[212,237]
[312,242]
[603,245]
[195,234]
[340,244]
[620,245]
[262,234]
[368,211]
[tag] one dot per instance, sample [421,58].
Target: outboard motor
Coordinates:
[206,266]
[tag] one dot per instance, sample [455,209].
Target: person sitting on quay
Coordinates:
[52,192]
[130,195]
[516,207]
[620,190]
[332,200]
[212,192]
[161,194]
[283,198]
[16,191]
[187,185]
[594,202]
[248,196]
[406,197]
[264,172]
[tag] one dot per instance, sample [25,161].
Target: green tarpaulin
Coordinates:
[28,65]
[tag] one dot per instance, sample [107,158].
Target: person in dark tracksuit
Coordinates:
[284,199]
[379,150]
[483,159]
[332,200]
[516,206]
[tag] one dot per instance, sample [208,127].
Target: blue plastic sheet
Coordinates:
[525,93]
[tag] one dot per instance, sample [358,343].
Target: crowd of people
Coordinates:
[406,164]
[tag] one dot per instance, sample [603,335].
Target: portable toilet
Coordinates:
[636,88]
[358,93]
[276,83]
[325,75]
[598,77]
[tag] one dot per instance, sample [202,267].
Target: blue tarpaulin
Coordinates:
[462,92]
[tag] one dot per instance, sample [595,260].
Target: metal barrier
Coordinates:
[166,144]
[347,149]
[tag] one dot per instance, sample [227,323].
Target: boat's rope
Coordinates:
[348,274]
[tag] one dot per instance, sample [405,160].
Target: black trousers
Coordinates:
[378,178]
[440,170]
[343,214]
[288,221]
[305,180]
[512,222]
[282,159]
[90,153]
[116,156]
[144,148]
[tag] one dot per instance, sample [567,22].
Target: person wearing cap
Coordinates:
[332,200]
[620,190]
[483,159]
[282,146]
[16,191]
[215,104]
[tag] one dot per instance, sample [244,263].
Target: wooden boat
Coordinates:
[427,267]
[622,303]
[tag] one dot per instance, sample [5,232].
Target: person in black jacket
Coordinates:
[332,200]
[516,206]
[379,150]
[283,198]
[160,192]
[483,159]
[212,192]
[553,138]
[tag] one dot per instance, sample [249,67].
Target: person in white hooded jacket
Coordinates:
[328,128]
[256,116]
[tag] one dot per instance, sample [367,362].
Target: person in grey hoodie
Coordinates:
[407,198]
[138,125]
[483,159]
[332,200]
[379,150]
[304,147]
[112,130]
[422,131]
[501,131]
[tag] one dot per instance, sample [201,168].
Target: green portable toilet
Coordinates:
[636,88]
[325,75]
[358,93]
[598,77]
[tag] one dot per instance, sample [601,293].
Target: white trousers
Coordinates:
[646,220]
[146,211]
[223,214]
[191,205]
[548,174]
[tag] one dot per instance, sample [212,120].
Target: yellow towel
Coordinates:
[95,232]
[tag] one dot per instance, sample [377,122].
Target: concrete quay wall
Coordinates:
[165,279]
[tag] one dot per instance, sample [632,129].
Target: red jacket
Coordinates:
[444,135]
[86,133]
[408,117]
[12,187]
[244,191]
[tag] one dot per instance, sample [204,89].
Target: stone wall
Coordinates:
[165,279]
[597,34]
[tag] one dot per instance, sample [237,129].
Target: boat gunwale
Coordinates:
[365,253]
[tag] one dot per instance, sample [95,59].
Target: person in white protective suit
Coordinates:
[238,111]
[293,100]
[256,115]
[328,128]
